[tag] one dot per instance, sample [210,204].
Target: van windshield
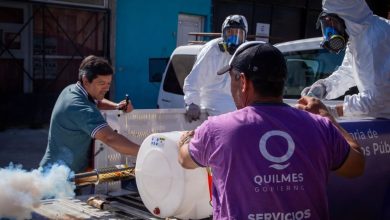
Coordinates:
[306,67]
[178,69]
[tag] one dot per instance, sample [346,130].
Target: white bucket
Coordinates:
[167,189]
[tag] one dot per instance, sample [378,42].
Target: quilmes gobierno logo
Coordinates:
[281,159]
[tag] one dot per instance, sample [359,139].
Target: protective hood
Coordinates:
[355,13]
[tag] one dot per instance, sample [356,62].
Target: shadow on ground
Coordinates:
[22,146]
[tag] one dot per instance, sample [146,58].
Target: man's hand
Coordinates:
[192,112]
[318,90]
[314,106]
[125,106]
[186,137]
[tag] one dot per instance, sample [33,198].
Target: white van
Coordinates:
[306,63]
[179,66]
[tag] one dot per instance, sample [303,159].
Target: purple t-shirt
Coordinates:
[269,162]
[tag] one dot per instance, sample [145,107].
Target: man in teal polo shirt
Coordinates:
[76,119]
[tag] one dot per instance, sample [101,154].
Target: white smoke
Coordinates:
[21,190]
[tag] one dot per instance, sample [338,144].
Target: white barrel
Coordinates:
[167,189]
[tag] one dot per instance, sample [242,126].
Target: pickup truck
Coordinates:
[366,197]
[363,198]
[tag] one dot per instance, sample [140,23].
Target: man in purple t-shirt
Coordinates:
[269,160]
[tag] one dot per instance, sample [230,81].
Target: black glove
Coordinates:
[192,112]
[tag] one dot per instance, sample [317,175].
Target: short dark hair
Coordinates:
[263,64]
[268,89]
[92,66]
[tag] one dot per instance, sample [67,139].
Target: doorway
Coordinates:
[186,24]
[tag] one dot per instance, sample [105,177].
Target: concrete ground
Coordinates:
[22,146]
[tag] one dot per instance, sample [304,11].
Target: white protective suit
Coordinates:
[204,87]
[366,63]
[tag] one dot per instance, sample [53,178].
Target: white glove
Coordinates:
[192,112]
[317,90]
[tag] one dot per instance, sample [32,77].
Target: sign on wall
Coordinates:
[262,32]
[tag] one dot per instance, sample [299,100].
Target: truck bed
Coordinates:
[365,197]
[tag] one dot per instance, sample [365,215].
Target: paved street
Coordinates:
[22,146]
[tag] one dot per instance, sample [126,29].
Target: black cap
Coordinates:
[258,60]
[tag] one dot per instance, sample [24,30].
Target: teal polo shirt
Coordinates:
[74,122]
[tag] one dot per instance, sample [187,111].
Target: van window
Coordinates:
[306,67]
[178,69]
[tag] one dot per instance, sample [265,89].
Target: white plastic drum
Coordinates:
[167,189]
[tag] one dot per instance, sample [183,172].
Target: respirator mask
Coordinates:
[233,37]
[333,31]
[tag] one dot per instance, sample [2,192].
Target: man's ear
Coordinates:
[243,83]
[84,79]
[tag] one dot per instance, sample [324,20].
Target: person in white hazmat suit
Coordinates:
[203,88]
[366,62]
